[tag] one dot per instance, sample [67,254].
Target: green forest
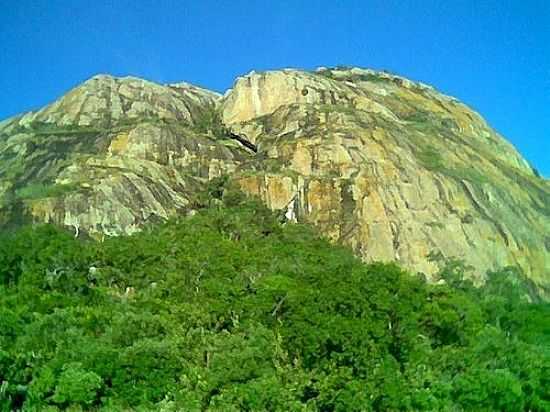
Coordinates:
[232,309]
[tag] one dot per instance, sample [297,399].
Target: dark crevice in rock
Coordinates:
[243,141]
[483,212]
[443,196]
[467,237]
[348,206]
[394,227]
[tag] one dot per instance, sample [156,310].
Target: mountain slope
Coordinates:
[390,167]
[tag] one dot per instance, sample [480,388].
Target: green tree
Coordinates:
[76,386]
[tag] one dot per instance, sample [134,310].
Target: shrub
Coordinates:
[76,386]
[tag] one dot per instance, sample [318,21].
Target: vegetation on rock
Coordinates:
[40,191]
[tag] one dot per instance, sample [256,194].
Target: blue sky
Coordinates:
[494,55]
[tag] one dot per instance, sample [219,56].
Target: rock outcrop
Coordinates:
[390,167]
[112,155]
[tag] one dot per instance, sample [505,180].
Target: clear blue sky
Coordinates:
[494,55]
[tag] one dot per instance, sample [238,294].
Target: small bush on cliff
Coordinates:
[209,121]
[230,310]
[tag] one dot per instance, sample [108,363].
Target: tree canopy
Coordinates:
[233,310]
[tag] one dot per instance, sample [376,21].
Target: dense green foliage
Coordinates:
[230,310]
[40,190]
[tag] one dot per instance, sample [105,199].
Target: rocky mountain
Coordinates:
[388,166]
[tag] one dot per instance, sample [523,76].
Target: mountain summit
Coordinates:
[390,167]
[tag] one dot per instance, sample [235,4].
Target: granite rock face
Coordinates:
[112,155]
[390,167]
